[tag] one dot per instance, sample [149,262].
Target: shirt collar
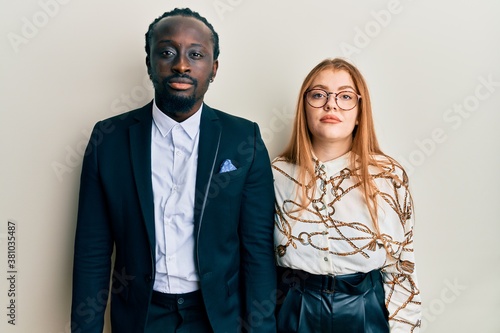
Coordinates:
[165,124]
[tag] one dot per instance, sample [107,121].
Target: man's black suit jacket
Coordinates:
[233,226]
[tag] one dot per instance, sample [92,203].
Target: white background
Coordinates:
[69,63]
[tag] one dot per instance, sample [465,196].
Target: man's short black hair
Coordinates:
[188,13]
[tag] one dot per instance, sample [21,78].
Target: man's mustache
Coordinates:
[184,78]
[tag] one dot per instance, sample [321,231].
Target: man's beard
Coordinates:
[176,104]
[172,103]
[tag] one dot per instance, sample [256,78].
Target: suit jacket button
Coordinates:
[148,278]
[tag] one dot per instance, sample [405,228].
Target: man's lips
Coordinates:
[330,119]
[180,83]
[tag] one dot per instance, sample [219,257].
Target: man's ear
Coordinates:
[148,65]
[214,68]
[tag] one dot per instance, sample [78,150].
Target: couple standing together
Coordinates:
[208,235]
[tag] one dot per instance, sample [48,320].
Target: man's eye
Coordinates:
[196,55]
[166,53]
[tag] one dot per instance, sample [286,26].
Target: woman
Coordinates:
[343,227]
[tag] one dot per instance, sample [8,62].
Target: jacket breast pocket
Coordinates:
[229,182]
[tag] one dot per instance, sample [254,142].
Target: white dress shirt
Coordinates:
[174,156]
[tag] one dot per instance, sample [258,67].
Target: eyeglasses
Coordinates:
[345,100]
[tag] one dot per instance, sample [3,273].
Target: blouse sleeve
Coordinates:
[400,277]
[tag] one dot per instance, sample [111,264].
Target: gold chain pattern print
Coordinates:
[331,232]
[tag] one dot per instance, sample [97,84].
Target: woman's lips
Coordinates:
[330,119]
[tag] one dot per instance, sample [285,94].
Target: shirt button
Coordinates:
[180,301]
[325,259]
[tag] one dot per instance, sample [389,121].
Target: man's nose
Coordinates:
[181,64]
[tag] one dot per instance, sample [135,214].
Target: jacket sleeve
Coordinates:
[93,249]
[256,232]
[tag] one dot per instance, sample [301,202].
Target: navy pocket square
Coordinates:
[227,166]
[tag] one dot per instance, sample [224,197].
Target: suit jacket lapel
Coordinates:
[140,152]
[210,132]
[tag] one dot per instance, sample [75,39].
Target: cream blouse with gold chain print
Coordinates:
[334,233]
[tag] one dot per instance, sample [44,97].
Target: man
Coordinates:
[184,195]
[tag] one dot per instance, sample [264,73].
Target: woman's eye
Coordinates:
[318,95]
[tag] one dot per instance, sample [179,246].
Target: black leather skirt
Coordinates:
[352,303]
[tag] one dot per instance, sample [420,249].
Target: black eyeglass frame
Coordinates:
[328,94]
